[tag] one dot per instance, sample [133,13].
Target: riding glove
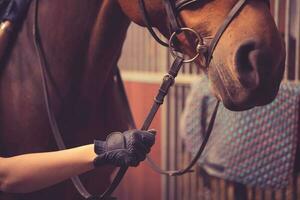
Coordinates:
[124,149]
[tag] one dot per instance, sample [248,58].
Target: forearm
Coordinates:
[31,172]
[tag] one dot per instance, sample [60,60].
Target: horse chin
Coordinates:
[235,97]
[246,103]
[230,101]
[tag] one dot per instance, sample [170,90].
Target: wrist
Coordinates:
[100,160]
[89,154]
[99,147]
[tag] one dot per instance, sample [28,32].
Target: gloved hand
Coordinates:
[124,149]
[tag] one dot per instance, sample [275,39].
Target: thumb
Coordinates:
[152,131]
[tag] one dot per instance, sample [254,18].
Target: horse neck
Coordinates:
[82,41]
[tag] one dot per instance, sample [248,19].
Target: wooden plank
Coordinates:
[222,190]
[214,189]
[164,152]
[278,194]
[172,142]
[268,194]
[230,191]
[287,36]
[289,190]
[297,70]
[240,191]
[251,193]
[154,77]
[276,11]
[298,187]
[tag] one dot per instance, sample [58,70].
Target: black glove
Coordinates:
[124,149]
[16,10]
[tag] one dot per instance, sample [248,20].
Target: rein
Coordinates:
[172,10]
[51,117]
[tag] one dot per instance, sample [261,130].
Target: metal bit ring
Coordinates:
[199,46]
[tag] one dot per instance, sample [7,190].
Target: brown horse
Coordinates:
[248,63]
[82,41]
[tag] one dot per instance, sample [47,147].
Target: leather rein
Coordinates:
[172,10]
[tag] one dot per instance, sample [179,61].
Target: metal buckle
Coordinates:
[199,49]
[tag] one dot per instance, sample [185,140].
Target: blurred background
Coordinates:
[143,65]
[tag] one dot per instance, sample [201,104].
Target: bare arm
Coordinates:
[31,172]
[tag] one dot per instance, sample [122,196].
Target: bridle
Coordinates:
[172,10]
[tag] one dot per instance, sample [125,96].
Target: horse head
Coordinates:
[247,64]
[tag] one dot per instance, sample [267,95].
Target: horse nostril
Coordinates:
[246,60]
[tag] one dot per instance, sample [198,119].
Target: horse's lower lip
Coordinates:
[230,102]
[250,100]
[238,98]
[237,107]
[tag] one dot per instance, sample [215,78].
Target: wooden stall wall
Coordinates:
[143,64]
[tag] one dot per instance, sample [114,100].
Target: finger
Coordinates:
[132,161]
[148,138]
[139,151]
[143,137]
[153,131]
[141,147]
[140,157]
[127,161]
[120,158]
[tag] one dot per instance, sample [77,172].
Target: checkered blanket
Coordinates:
[255,147]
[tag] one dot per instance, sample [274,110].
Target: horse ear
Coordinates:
[132,10]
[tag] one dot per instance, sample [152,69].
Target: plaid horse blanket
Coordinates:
[255,147]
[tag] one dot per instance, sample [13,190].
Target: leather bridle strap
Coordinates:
[149,26]
[172,11]
[213,44]
[169,81]
[180,4]
[234,11]
[172,16]
[51,116]
[188,169]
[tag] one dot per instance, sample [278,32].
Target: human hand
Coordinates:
[124,149]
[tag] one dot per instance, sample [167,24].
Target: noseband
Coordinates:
[172,10]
